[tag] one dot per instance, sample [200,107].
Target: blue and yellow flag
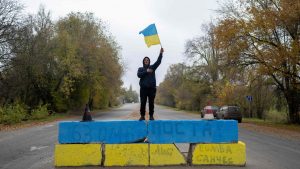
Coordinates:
[150,35]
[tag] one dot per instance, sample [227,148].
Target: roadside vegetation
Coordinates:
[49,66]
[251,49]
[129,95]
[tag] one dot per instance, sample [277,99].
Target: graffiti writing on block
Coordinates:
[165,154]
[121,134]
[217,148]
[161,131]
[192,131]
[82,133]
[162,150]
[126,154]
[114,132]
[130,151]
[224,154]
[184,128]
[214,159]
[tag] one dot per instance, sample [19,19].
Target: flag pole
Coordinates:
[159,41]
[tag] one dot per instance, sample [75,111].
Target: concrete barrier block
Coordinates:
[77,154]
[165,154]
[126,131]
[219,154]
[126,155]
[192,131]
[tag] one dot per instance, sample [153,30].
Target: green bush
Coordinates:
[11,114]
[277,116]
[39,113]
[60,104]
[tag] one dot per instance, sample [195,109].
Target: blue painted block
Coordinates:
[128,131]
[192,131]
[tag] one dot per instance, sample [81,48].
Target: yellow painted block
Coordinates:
[77,154]
[221,154]
[165,154]
[126,155]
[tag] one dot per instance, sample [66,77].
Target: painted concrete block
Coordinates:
[165,154]
[192,131]
[126,131]
[77,154]
[219,154]
[126,155]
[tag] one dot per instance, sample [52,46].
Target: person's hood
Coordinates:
[149,62]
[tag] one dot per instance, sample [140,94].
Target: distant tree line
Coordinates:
[130,96]
[63,64]
[252,49]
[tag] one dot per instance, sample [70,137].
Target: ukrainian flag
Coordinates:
[150,35]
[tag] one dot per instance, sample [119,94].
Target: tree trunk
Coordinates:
[293,101]
[259,112]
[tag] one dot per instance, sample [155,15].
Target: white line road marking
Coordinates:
[50,125]
[33,148]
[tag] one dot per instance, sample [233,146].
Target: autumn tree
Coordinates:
[10,18]
[173,79]
[182,88]
[263,36]
[130,95]
[89,62]
[27,76]
[204,53]
[64,64]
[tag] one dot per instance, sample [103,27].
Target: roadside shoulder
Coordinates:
[32,123]
[291,132]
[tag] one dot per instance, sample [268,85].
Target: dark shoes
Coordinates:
[142,118]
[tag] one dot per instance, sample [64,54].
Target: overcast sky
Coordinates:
[176,22]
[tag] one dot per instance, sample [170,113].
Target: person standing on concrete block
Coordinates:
[148,84]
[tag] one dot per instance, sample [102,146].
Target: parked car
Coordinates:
[209,110]
[230,112]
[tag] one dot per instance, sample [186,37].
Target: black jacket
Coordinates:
[148,79]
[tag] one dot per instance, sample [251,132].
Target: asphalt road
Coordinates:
[33,148]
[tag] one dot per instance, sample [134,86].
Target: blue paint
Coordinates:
[158,131]
[192,131]
[112,132]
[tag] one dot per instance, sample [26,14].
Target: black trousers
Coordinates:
[150,94]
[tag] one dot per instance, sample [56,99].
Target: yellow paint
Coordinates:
[165,154]
[77,154]
[152,40]
[126,155]
[221,154]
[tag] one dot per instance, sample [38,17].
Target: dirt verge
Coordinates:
[273,130]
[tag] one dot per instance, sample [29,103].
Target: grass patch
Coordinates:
[269,123]
[276,119]
[40,112]
[49,118]
[34,122]
[277,116]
